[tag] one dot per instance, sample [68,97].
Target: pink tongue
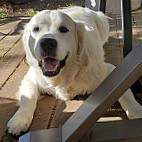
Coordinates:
[50,64]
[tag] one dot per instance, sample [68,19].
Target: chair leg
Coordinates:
[102,6]
[126,26]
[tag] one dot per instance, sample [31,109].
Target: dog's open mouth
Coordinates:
[51,66]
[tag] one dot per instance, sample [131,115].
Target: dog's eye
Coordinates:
[63,29]
[36,29]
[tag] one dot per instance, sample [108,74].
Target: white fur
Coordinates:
[85,68]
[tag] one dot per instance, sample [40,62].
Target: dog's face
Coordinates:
[52,40]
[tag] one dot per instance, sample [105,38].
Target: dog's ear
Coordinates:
[28,43]
[79,37]
[102,25]
[82,55]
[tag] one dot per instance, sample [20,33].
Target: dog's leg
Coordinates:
[129,104]
[22,119]
[132,108]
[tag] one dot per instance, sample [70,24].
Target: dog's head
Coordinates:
[51,40]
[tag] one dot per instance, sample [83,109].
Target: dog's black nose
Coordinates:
[48,44]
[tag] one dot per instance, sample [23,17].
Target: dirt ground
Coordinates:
[30,8]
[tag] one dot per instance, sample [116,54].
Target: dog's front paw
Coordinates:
[20,122]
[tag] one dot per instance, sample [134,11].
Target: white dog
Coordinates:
[64,49]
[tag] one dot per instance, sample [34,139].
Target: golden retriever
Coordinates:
[64,49]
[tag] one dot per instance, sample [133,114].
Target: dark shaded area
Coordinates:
[13,9]
[7,137]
